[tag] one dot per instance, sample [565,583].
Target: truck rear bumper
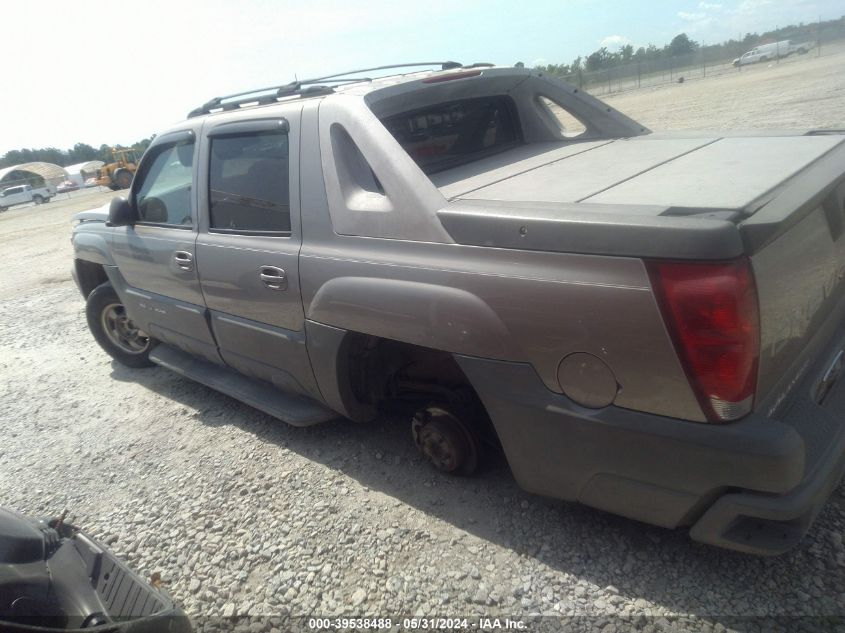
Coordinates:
[770,524]
[754,485]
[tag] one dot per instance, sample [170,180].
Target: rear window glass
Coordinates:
[447,134]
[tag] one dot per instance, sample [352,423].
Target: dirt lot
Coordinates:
[802,92]
[244,515]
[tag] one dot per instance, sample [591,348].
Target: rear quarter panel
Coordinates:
[494,303]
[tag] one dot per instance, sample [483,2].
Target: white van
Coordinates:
[765,52]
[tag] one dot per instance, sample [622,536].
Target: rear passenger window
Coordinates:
[248,181]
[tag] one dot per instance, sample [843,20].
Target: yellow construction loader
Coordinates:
[119,173]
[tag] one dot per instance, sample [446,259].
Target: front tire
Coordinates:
[37,199]
[114,331]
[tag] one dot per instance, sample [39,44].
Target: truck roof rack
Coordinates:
[307,87]
[255,97]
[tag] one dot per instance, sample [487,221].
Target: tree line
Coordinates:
[79,153]
[682,46]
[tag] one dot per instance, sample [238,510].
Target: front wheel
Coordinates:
[37,199]
[114,330]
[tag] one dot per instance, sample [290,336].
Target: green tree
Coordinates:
[104,153]
[599,59]
[81,153]
[682,45]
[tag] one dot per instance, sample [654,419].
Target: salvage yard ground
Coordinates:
[803,92]
[244,515]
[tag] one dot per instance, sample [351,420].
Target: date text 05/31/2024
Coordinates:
[417,624]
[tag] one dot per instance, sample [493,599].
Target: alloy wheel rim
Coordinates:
[121,331]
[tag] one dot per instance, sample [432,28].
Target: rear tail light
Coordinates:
[711,312]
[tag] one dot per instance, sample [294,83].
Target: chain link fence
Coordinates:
[705,62]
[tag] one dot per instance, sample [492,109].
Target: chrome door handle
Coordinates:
[184,260]
[273,277]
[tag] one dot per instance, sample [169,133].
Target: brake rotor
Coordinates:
[445,440]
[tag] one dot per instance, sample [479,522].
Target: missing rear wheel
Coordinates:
[446,439]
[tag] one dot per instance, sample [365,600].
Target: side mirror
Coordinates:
[121,212]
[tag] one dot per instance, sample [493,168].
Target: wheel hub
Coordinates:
[445,441]
[122,331]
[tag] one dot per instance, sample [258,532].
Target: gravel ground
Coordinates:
[243,515]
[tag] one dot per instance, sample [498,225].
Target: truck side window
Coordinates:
[164,195]
[248,181]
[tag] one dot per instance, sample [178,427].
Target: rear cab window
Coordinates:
[445,135]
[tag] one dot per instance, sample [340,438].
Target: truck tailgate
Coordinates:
[797,250]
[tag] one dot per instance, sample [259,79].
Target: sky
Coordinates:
[99,72]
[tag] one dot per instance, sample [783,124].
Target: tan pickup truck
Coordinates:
[651,324]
